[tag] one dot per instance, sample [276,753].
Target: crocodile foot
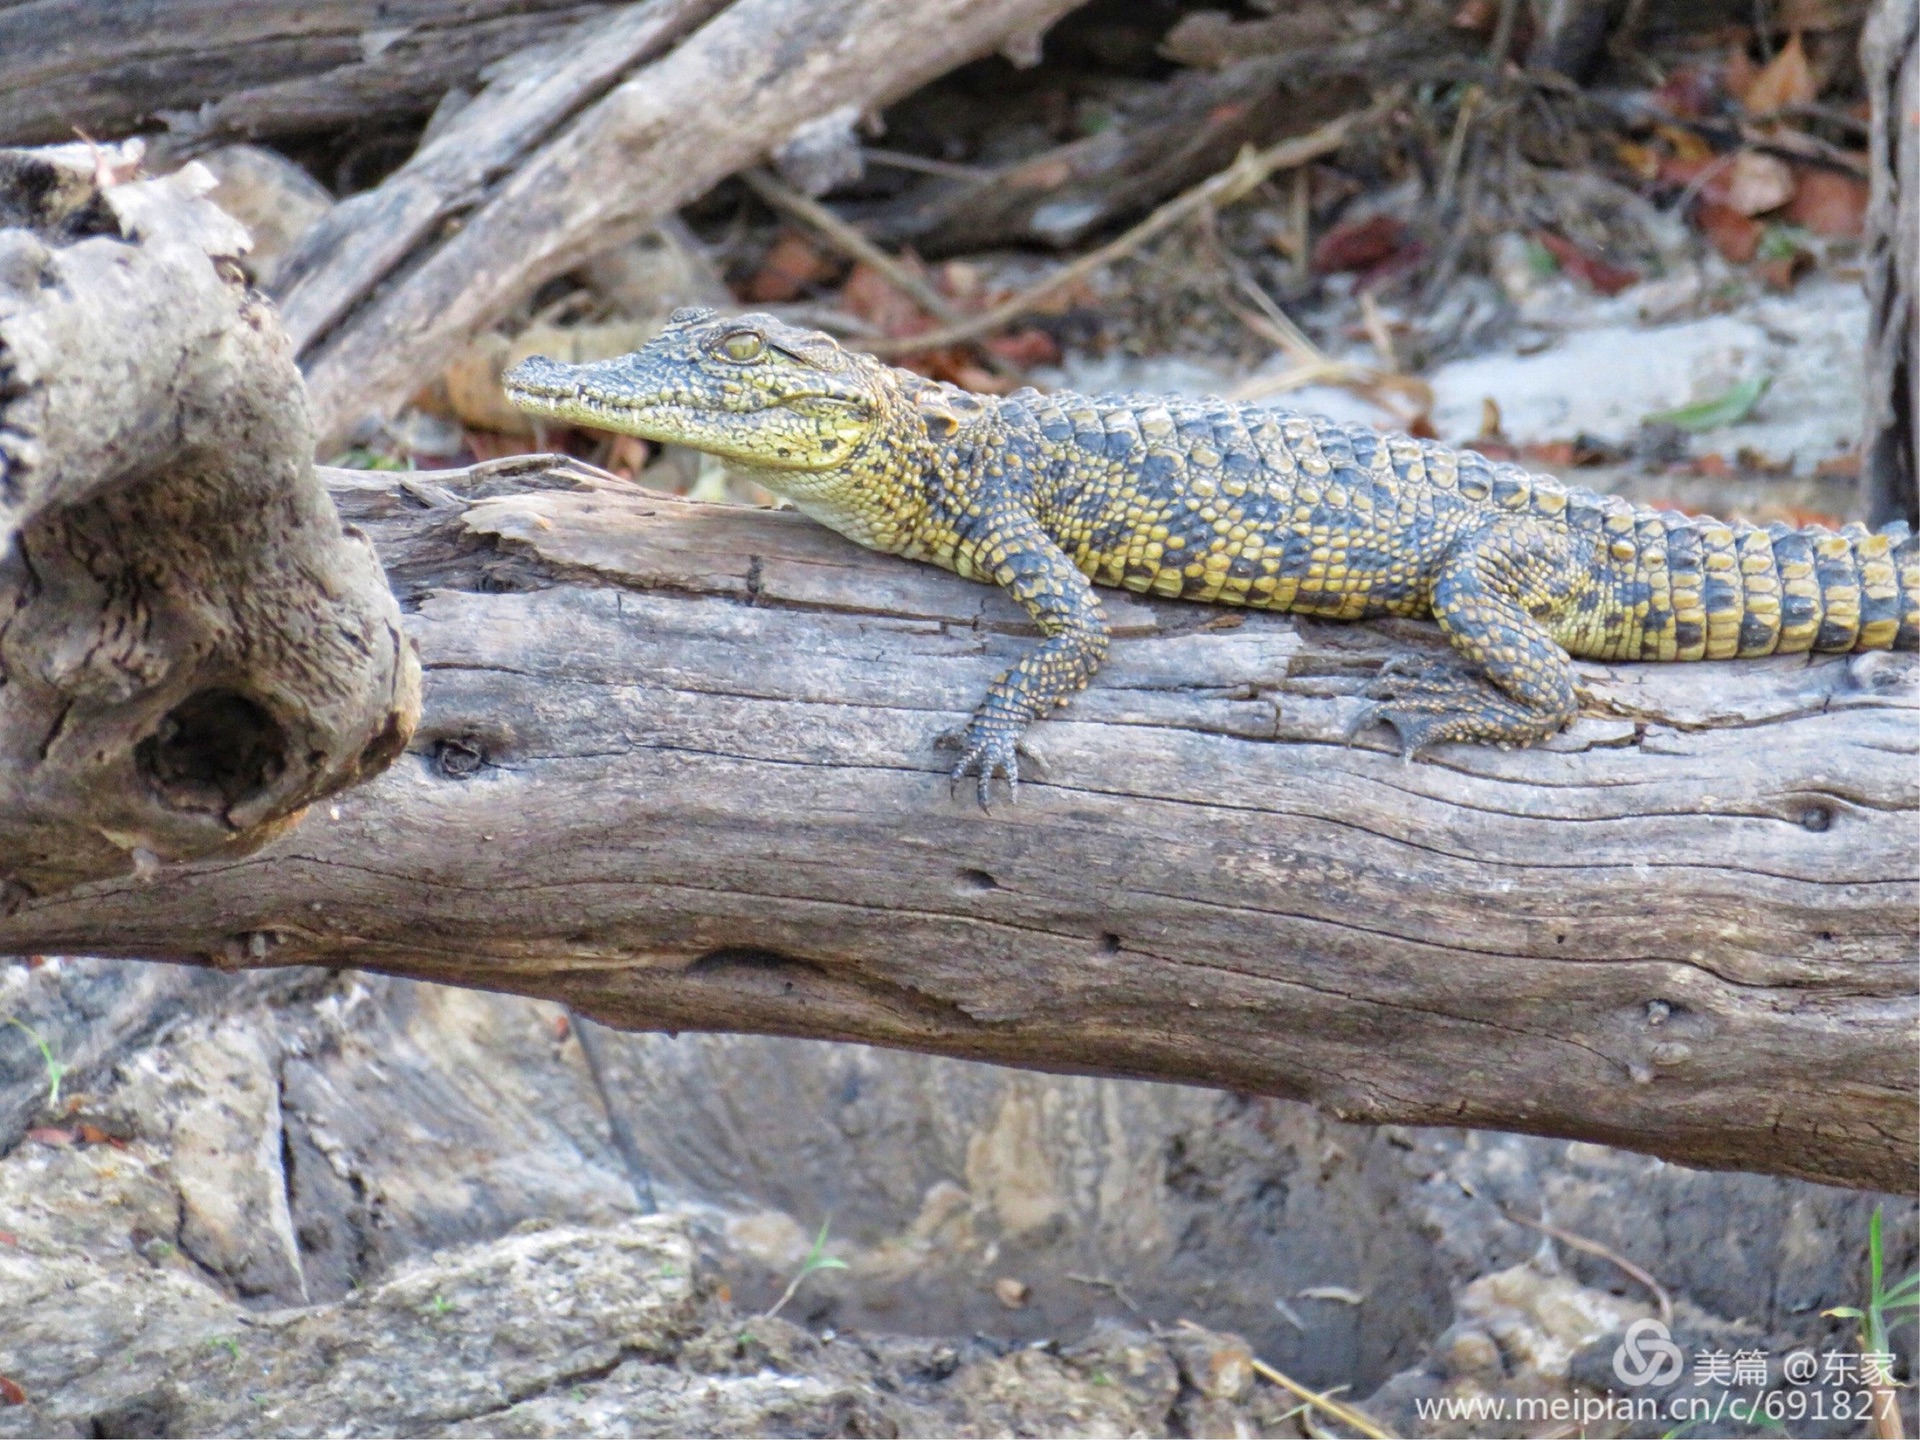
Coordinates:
[988,747]
[1430,701]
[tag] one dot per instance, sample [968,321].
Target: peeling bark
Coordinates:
[269,67]
[679,770]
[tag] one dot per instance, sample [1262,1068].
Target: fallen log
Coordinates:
[269,67]
[1166,141]
[191,648]
[679,769]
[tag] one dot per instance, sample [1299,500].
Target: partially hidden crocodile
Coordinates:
[1048,495]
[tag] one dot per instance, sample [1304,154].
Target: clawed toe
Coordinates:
[1414,731]
[985,751]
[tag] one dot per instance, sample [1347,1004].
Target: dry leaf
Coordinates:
[1737,75]
[1757,183]
[1641,160]
[1360,244]
[1735,236]
[1828,203]
[1489,420]
[793,264]
[1601,275]
[870,296]
[1786,80]
[1025,348]
[1012,1293]
[1688,148]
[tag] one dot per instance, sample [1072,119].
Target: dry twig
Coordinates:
[1223,188]
[1594,1247]
[1346,1414]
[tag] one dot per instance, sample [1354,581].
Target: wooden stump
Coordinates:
[191,647]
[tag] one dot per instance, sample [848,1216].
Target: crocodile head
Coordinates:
[768,396]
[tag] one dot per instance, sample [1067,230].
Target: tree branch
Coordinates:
[678,771]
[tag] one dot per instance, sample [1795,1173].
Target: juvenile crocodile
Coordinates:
[1049,495]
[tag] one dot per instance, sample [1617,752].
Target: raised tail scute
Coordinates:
[1888,564]
[1740,590]
[1905,545]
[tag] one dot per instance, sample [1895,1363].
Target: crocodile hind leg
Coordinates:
[1510,682]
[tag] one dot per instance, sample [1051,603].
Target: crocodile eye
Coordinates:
[742,346]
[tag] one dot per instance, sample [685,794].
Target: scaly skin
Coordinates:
[1049,495]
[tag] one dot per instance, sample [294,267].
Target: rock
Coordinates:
[463,1334]
[406,1130]
[219,1094]
[1219,1366]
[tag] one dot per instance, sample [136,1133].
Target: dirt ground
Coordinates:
[245,1173]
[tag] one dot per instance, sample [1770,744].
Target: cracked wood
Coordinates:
[678,769]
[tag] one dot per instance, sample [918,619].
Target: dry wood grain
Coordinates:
[678,769]
[354,248]
[263,68]
[1890,442]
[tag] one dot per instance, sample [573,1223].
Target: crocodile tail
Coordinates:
[1887,563]
[1906,564]
[1745,590]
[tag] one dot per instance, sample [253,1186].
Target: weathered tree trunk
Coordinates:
[679,770]
[191,649]
[1890,58]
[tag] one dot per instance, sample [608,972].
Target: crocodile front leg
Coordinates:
[1008,545]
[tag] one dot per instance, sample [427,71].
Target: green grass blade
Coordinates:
[1728,409]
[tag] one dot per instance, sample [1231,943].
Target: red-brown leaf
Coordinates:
[791,266]
[11,1393]
[1828,203]
[1025,348]
[1360,244]
[870,296]
[1735,236]
[1601,275]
